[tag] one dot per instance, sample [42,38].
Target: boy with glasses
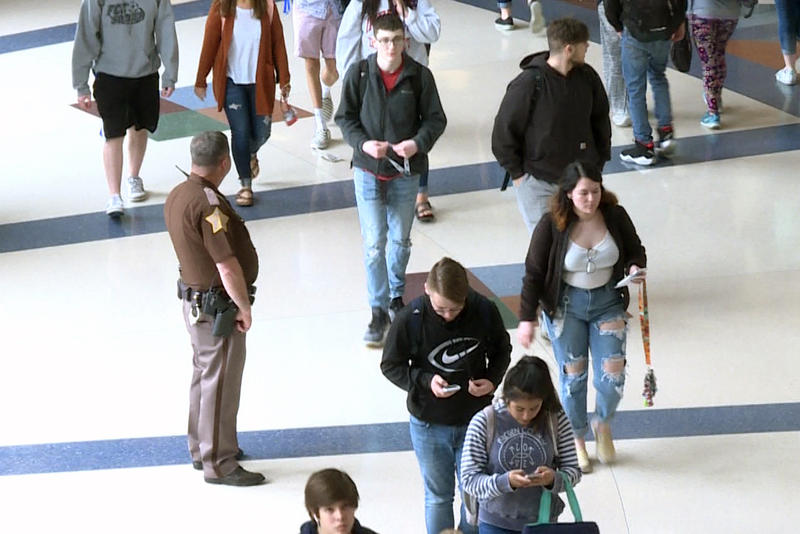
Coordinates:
[391,115]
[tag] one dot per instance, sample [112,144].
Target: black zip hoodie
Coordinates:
[473,345]
[569,121]
[392,116]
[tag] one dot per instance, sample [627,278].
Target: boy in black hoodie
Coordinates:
[449,350]
[553,113]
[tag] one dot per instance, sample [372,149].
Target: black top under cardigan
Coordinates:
[544,264]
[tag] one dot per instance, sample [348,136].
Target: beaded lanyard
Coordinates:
[649,378]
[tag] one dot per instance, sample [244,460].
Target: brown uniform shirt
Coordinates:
[206,230]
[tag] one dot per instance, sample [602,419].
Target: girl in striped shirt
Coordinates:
[514,448]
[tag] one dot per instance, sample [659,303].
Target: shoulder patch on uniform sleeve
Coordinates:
[217,220]
[213,200]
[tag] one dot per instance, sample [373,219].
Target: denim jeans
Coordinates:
[249,131]
[533,196]
[578,329]
[788,25]
[642,62]
[612,64]
[386,212]
[486,528]
[438,450]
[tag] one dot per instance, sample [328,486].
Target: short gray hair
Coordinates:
[208,148]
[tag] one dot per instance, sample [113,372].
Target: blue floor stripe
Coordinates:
[65,33]
[386,437]
[149,219]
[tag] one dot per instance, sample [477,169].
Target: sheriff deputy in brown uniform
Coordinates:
[218,265]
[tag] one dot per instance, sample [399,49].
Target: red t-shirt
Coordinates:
[390,78]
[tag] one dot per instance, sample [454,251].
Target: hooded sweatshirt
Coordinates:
[310,527]
[125,38]
[568,120]
[473,345]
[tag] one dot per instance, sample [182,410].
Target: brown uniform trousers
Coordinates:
[218,364]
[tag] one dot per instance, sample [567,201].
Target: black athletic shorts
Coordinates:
[126,102]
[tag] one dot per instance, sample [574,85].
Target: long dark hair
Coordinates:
[530,379]
[227,8]
[369,8]
[561,205]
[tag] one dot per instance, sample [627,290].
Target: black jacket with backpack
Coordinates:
[547,120]
[421,344]
[646,20]
[412,110]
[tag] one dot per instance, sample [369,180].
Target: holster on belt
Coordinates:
[216,303]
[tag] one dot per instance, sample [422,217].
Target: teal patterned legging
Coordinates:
[710,37]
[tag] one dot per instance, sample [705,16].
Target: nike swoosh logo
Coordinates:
[448,358]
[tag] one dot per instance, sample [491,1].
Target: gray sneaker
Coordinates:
[327,108]
[136,192]
[321,139]
[537,18]
[114,207]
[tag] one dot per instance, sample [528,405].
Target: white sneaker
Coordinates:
[114,207]
[327,108]
[786,76]
[621,119]
[321,139]
[136,192]
[537,18]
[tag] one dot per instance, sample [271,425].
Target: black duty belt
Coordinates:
[188,294]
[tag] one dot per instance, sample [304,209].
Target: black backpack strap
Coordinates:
[538,84]
[362,79]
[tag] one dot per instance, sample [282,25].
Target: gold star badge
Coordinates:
[217,220]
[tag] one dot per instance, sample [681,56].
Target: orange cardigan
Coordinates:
[273,65]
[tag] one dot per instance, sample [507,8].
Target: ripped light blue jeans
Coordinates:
[584,323]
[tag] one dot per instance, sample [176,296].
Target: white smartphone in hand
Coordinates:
[452,388]
[630,278]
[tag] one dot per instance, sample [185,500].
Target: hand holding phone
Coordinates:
[452,388]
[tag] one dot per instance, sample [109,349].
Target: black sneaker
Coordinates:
[504,24]
[376,331]
[666,141]
[640,154]
[395,305]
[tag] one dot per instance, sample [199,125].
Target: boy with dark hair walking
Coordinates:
[553,113]
[391,115]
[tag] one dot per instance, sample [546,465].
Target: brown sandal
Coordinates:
[424,211]
[244,197]
[254,168]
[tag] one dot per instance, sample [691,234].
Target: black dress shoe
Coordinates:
[198,465]
[239,477]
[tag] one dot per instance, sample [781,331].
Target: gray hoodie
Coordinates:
[126,38]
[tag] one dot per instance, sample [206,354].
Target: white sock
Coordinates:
[326,91]
[318,119]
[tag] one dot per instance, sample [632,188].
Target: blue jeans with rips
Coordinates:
[643,62]
[586,322]
[438,450]
[386,213]
[249,131]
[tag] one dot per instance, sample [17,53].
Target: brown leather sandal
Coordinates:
[254,168]
[244,197]
[424,211]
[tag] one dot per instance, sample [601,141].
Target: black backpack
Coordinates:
[651,20]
